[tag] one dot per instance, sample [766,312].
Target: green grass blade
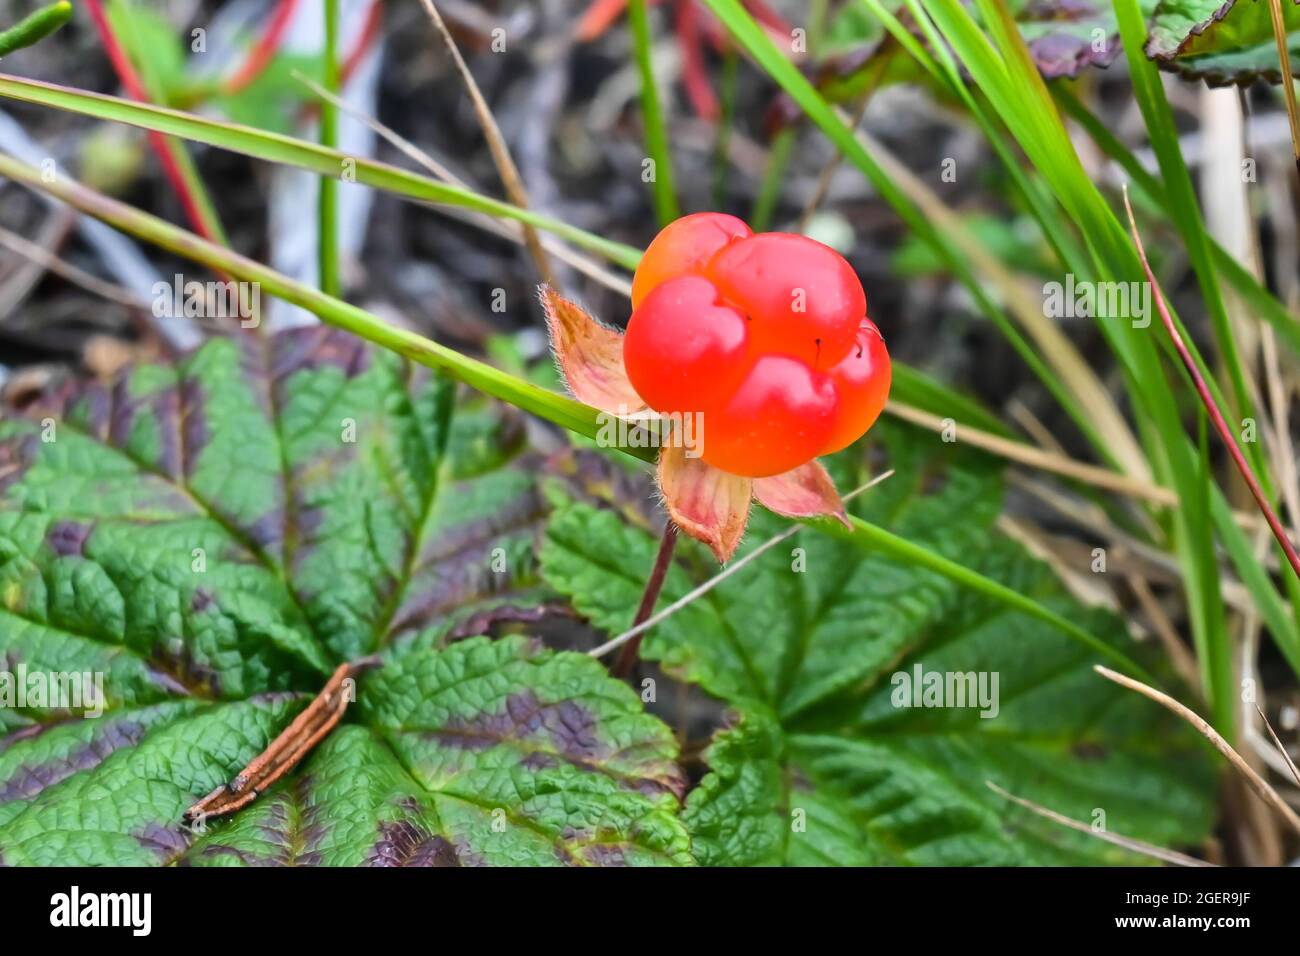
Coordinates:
[656,135]
[1021,99]
[1209,625]
[328,213]
[946,72]
[1252,294]
[1184,208]
[289,151]
[769,190]
[917,388]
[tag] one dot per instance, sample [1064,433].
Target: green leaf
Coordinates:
[152,44]
[497,753]
[1219,42]
[275,98]
[208,540]
[805,643]
[35,27]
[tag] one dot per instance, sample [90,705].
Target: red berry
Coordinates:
[682,347]
[682,247]
[765,336]
[801,296]
[862,383]
[781,416]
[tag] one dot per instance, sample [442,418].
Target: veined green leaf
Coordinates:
[208,540]
[807,641]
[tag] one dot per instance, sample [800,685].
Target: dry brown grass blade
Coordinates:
[61,267]
[1288,85]
[1128,843]
[1257,783]
[1277,742]
[1041,459]
[509,172]
[1180,656]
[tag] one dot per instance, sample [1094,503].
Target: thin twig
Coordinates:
[1128,843]
[1280,748]
[171,153]
[691,596]
[1207,399]
[91,283]
[1257,783]
[1288,84]
[284,753]
[1040,458]
[505,164]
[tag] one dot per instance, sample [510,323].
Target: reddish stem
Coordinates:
[1208,401]
[130,80]
[695,76]
[369,32]
[264,50]
[597,18]
[768,17]
[655,584]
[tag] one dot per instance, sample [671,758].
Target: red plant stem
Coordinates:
[598,18]
[695,77]
[655,584]
[161,145]
[264,50]
[1208,401]
[369,31]
[768,17]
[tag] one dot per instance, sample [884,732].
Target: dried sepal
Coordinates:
[803,492]
[708,504]
[590,356]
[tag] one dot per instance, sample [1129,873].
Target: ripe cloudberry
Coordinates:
[766,336]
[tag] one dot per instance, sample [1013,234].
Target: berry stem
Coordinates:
[649,597]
